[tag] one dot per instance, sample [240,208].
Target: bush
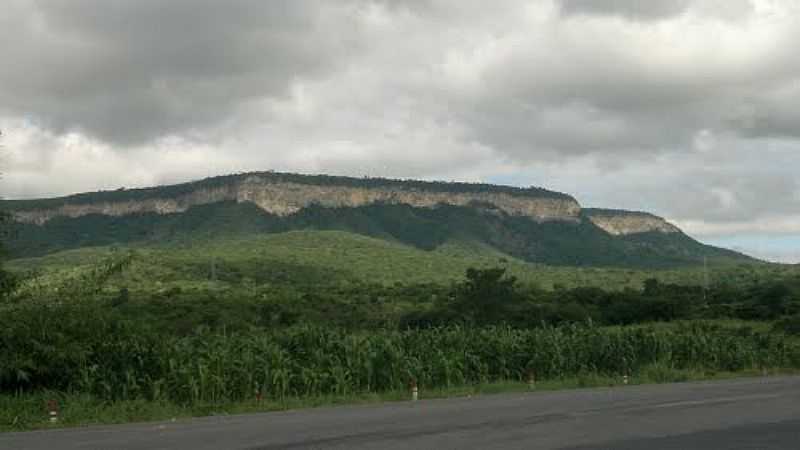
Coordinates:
[789,325]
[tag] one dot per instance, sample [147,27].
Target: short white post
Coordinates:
[625,379]
[52,410]
[414,391]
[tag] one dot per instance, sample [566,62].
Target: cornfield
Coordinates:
[308,361]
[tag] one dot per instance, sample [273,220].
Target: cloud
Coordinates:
[765,225]
[683,107]
[636,9]
[131,71]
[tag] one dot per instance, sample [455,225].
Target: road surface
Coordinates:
[762,413]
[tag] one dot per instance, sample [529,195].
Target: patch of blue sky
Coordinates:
[777,248]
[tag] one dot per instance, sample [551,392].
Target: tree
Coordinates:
[486,296]
[651,287]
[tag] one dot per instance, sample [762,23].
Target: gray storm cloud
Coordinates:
[130,71]
[684,107]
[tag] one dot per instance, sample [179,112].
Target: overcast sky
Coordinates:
[686,108]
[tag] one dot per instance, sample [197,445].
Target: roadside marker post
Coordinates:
[414,391]
[625,379]
[52,410]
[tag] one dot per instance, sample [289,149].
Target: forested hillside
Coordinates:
[532,224]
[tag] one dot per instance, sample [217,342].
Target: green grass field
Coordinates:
[322,257]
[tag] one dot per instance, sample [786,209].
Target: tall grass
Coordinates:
[123,361]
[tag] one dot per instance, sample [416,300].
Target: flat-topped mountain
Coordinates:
[284,194]
[532,223]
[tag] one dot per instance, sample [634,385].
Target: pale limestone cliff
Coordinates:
[283,198]
[287,198]
[121,208]
[621,223]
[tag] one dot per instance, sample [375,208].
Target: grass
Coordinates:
[26,412]
[321,256]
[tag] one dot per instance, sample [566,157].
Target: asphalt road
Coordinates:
[761,414]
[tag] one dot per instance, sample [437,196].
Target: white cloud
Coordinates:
[784,224]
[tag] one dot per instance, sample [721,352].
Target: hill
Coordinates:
[320,259]
[529,224]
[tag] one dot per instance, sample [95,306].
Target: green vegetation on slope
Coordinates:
[309,256]
[553,243]
[353,281]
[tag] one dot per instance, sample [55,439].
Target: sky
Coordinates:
[684,108]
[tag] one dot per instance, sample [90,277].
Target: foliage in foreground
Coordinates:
[87,337]
[80,348]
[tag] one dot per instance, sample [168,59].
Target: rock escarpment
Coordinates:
[288,198]
[622,223]
[531,224]
[123,207]
[285,194]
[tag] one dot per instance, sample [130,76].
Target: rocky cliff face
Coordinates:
[287,198]
[164,205]
[560,232]
[622,223]
[286,194]
[283,198]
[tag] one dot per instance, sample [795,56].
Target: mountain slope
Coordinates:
[332,258]
[532,224]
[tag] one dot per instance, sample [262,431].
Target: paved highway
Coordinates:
[761,414]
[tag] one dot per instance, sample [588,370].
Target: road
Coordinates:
[758,413]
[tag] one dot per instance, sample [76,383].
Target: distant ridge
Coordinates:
[173,190]
[533,224]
